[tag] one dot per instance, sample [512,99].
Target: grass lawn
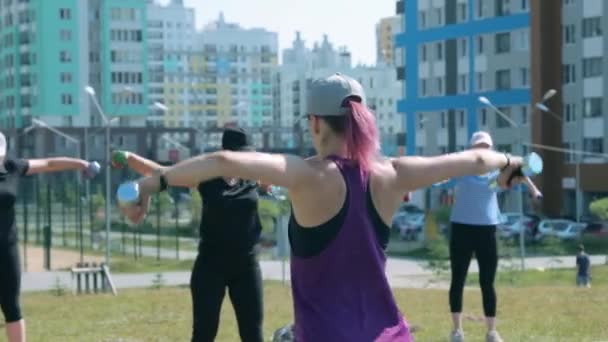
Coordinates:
[535,313]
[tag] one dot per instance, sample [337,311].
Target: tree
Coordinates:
[599,208]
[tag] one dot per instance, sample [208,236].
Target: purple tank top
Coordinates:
[342,293]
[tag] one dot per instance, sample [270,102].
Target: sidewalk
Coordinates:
[402,273]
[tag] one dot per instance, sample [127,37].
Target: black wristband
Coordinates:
[163,183]
[508,162]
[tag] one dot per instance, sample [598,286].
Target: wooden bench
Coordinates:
[95,278]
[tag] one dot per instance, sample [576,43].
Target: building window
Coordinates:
[481,8]
[503,79]
[422,20]
[480,81]
[65,14]
[524,5]
[462,12]
[65,57]
[484,117]
[423,87]
[66,99]
[592,67]
[439,86]
[480,45]
[592,107]
[500,121]
[568,73]
[66,77]
[423,52]
[65,35]
[524,72]
[570,112]
[462,83]
[569,34]
[442,120]
[503,42]
[524,115]
[592,27]
[593,145]
[503,8]
[439,16]
[463,47]
[523,40]
[421,121]
[461,118]
[439,49]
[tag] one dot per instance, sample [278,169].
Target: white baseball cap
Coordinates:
[481,137]
[2,146]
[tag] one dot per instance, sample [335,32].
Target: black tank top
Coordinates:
[230,225]
[308,242]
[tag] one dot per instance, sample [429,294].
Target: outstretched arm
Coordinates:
[281,170]
[418,172]
[287,171]
[139,164]
[55,165]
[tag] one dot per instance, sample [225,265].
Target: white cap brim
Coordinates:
[2,146]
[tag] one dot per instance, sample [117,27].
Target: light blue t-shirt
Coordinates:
[475,203]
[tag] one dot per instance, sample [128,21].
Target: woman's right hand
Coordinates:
[505,179]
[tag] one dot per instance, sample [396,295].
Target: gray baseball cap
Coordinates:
[326,95]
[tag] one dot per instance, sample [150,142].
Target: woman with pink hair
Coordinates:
[343,200]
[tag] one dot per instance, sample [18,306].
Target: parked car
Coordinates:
[512,226]
[409,208]
[413,227]
[598,229]
[399,220]
[570,232]
[551,226]
[508,220]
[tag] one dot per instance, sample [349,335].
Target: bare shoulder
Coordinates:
[383,170]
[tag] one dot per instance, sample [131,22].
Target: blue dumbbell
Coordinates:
[532,166]
[92,170]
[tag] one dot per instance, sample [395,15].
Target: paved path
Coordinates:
[400,272]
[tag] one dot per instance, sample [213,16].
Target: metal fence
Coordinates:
[60,212]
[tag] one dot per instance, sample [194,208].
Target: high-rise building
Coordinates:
[302,65]
[51,50]
[453,52]
[175,56]
[238,80]
[386,29]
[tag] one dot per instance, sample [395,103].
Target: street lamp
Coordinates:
[542,107]
[484,100]
[107,123]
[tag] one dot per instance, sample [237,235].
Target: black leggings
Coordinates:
[10,282]
[243,278]
[466,240]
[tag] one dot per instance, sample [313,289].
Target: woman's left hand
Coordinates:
[137,213]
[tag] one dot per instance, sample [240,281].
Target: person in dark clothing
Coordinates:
[229,232]
[11,170]
[342,200]
[583,268]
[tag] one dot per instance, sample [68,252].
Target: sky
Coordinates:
[346,22]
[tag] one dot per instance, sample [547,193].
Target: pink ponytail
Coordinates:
[361,133]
